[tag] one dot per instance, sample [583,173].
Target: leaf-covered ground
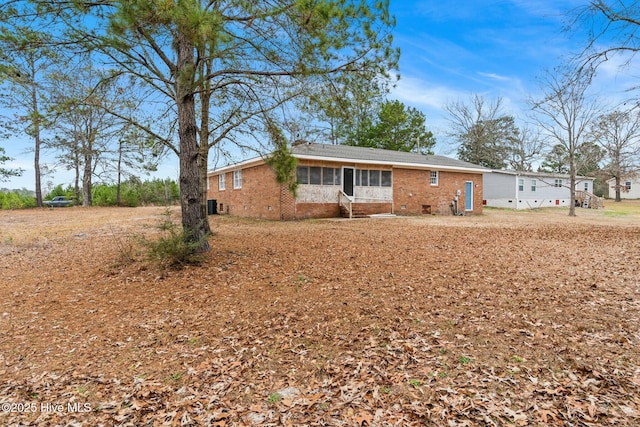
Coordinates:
[505,319]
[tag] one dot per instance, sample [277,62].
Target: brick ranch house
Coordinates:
[337,180]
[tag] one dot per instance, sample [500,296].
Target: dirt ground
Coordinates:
[504,319]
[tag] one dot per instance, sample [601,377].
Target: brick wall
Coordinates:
[317,210]
[287,204]
[413,193]
[259,197]
[262,197]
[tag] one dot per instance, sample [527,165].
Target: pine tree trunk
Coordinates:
[203,160]
[119,183]
[193,220]
[36,135]
[86,180]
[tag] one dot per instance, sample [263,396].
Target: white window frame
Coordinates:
[558,183]
[520,184]
[222,182]
[534,184]
[237,179]
[434,177]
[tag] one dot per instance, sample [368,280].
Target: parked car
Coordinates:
[58,202]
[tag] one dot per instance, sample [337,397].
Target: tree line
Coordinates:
[130,193]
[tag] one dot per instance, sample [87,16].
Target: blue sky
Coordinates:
[453,49]
[500,48]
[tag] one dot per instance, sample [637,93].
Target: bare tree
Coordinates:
[618,133]
[486,135]
[564,113]
[613,29]
[90,139]
[526,149]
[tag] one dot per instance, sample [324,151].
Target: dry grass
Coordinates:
[509,318]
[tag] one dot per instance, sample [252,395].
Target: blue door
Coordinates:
[468,196]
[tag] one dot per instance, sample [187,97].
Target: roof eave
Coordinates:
[259,160]
[250,162]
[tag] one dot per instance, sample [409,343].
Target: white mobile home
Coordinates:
[529,190]
[629,186]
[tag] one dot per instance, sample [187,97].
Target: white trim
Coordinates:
[239,165]
[431,183]
[353,182]
[237,179]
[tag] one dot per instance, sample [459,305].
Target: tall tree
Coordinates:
[399,128]
[618,133]
[556,160]
[346,107]
[255,52]
[564,113]
[589,158]
[132,154]
[87,132]
[525,150]
[484,134]
[26,62]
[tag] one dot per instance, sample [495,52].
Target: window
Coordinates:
[315,175]
[586,186]
[386,179]
[521,184]
[534,183]
[434,178]
[627,185]
[221,182]
[302,174]
[364,178]
[237,179]
[558,183]
[374,178]
[327,176]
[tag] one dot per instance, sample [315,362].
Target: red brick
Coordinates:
[262,197]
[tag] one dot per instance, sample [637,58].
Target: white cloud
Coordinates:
[419,92]
[494,76]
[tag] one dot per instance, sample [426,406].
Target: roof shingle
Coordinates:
[379,156]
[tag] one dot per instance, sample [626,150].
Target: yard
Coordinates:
[505,319]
